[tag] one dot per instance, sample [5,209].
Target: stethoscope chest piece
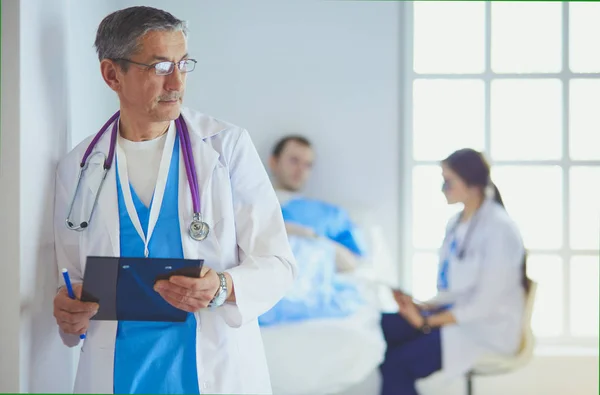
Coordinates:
[199,229]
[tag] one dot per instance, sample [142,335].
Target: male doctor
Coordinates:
[144,208]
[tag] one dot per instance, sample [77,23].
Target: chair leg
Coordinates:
[469,383]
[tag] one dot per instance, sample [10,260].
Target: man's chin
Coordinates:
[169,111]
[293,188]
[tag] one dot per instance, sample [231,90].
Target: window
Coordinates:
[479,76]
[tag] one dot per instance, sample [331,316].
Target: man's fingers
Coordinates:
[64,302]
[196,302]
[77,288]
[74,328]
[180,302]
[187,282]
[73,318]
[204,270]
[180,285]
[174,288]
[74,305]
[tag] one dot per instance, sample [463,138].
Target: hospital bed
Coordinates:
[335,355]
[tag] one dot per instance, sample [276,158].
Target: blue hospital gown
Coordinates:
[318,290]
[326,220]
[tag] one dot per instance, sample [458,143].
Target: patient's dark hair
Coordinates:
[472,167]
[278,148]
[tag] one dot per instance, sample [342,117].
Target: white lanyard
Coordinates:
[159,190]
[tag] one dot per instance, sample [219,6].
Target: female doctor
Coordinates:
[481,287]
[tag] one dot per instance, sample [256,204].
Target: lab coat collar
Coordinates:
[202,125]
[484,209]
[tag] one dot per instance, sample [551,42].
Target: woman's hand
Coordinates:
[408,309]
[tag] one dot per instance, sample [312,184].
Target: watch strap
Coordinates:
[221,293]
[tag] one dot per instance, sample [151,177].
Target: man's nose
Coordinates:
[175,81]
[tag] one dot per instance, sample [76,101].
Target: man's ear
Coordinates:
[111,74]
[272,162]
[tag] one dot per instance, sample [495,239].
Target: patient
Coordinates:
[325,241]
[291,164]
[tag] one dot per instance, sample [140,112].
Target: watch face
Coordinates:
[220,297]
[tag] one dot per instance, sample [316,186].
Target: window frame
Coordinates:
[565,163]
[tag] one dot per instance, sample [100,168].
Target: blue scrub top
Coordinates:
[154,357]
[326,220]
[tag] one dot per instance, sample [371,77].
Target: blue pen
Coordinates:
[65,274]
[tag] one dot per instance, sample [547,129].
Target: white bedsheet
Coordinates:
[324,356]
[328,356]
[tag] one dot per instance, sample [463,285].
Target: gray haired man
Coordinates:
[173,168]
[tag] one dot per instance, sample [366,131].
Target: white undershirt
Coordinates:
[143,162]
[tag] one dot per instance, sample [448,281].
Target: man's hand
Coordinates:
[188,293]
[345,260]
[72,315]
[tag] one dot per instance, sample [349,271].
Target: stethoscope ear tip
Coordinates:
[84,225]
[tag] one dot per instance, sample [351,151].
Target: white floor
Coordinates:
[545,375]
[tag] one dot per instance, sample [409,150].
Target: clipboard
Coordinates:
[124,287]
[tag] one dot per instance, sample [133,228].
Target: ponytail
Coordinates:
[524,279]
[497,195]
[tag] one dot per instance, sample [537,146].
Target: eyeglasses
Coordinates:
[165,67]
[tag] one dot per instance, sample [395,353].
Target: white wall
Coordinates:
[91,101]
[9,201]
[38,50]
[45,364]
[326,69]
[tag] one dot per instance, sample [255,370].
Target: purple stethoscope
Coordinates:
[198,229]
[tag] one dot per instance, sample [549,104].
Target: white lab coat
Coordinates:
[247,239]
[485,290]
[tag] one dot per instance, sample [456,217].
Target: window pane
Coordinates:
[526,37]
[430,210]
[524,113]
[584,31]
[584,295]
[424,275]
[584,212]
[546,270]
[533,197]
[584,120]
[449,37]
[448,115]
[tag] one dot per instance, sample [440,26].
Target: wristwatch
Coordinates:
[425,328]
[221,294]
